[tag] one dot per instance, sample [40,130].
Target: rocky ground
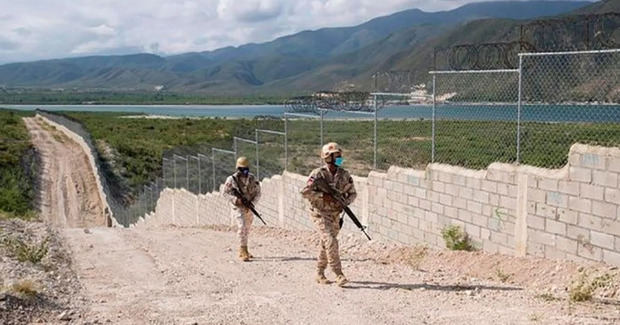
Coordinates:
[32,291]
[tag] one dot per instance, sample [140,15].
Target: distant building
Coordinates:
[159,88]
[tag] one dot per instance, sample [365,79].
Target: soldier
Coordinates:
[247,185]
[326,210]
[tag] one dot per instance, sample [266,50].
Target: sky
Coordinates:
[43,29]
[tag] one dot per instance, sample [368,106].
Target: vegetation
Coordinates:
[456,239]
[583,288]
[26,252]
[26,289]
[17,167]
[135,146]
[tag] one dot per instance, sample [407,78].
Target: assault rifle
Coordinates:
[247,203]
[322,185]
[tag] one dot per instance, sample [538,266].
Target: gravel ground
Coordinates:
[191,275]
[57,297]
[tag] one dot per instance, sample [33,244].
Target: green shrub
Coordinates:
[456,239]
[25,252]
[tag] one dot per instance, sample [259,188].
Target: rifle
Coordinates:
[322,185]
[247,203]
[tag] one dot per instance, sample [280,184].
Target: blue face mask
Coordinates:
[244,171]
[339,161]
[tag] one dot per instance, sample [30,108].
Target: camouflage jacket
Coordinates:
[250,187]
[342,181]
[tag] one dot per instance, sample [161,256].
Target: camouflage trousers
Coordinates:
[328,228]
[244,222]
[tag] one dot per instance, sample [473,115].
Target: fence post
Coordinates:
[433,124]
[213,165]
[321,123]
[174,171]
[374,159]
[519,110]
[285,142]
[257,156]
[187,172]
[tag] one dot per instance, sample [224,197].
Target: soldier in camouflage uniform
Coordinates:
[325,212]
[249,186]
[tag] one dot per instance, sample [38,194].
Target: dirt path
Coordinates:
[186,276]
[69,195]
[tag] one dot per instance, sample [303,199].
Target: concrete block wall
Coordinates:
[568,213]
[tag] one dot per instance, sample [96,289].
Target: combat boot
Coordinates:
[249,254]
[243,253]
[320,278]
[341,280]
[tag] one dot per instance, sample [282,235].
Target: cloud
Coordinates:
[34,29]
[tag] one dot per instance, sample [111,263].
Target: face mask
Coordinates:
[244,171]
[339,161]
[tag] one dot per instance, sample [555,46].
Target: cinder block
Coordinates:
[465,215]
[490,247]
[594,161]
[445,199]
[507,202]
[546,211]
[614,164]
[611,258]
[494,199]
[566,245]
[481,196]
[540,237]
[604,178]
[502,189]
[569,187]
[612,195]
[605,210]
[602,240]
[452,189]
[489,186]
[437,207]
[567,216]
[460,203]
[578,174]
[578,233]
[548,184]
[555,227]
[466,193]
[554,253]
[474,207]
[480,220]
[578,204]
[557,199]
[594,192]
[590,252]
[536,249]
[425,204]
[536,195]
[438,186]
[474,183]
[535,222]
[451,212]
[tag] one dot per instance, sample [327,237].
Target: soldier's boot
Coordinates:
[243,253]
[341,280]
[321,278]
[249,254]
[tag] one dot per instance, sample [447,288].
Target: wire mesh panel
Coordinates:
[247,148]
[475,120]
[206,172]
[194,174]
[224,165]
[354,132]
[168,172]
[304,142]
[567,98]
[270,152]
[404,142]
[181,170]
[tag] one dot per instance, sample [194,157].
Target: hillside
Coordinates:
[308,60]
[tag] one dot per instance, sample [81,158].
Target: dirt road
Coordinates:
[186,276]
[69,195]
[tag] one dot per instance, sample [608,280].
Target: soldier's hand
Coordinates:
[328,199]
[238,202]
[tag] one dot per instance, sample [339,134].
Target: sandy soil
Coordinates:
[69,195]
[190,275]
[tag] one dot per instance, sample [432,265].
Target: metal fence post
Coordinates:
[433,124]
[174,171]
[374,159]
[187,172]
[285,142]
[321,123]
[257,155]
[519,110]
[213,166]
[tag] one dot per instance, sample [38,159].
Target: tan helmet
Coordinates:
[329,149]
[243,162]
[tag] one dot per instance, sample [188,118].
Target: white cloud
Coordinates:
[35,29]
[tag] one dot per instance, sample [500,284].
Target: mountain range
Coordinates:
[302,62]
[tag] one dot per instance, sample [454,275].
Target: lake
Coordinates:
[546,113]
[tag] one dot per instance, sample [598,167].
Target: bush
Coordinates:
[456,239]
[25,252]
[26,289]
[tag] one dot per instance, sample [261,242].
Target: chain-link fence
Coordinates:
[271,153]
[567,98]
[247,148]
[475,117]
[304,138]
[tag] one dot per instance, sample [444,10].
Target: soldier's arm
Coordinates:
[228,190]
[308,192]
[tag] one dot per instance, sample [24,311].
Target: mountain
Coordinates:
[308,60]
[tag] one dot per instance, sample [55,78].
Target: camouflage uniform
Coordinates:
[325,214]
[250,187]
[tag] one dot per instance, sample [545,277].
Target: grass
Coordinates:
[583,288]
[547,297]
[140,143]
[456,239]
[25,289]
[417,256]
[502,276]
[26,252]
[18,166]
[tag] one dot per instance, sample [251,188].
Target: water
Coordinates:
[546,113]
